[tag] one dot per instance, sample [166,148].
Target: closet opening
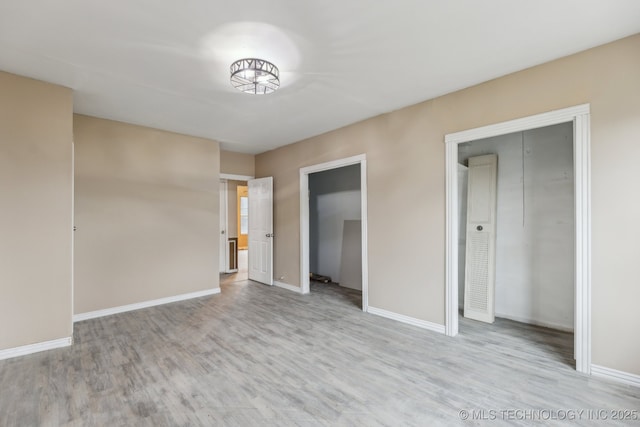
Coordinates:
[333,229]
[335,233]
[576,118]
[516,241]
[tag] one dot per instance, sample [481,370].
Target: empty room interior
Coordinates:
[399,213]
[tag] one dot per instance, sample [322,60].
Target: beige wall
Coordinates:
[407,276]
[147,212]
[237,163]
[35,217]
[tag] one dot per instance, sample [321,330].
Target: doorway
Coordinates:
[356,231]
[242,215]
[579,118]
[236,256]
[335,226]
[238,215]
[531,252]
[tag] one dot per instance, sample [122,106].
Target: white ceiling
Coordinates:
[165,63]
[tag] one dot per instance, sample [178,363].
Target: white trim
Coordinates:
[35,348]
[365,234]
[549,118]
[287,286]
[236,177]
[536,322]
[582,172]
[304,232]
[73,224]
[435,327]
[615,375]
[130,307]
[451,235]
[224,217]
[333,164]
[580,116]
[304,219]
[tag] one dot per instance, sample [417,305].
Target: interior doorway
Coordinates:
[242,215]
[579,118]
[335,227]
[342,254]
[237,217]
[532,248]
[236,264]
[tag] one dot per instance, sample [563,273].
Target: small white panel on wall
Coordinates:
[481,235]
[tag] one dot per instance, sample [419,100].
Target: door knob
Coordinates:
[479,228]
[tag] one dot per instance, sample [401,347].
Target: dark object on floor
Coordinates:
[319,278]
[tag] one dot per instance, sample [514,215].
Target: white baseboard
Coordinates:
[536,322]
[34,348]
[406,319]
[615,375]
[287,286]
[130,307]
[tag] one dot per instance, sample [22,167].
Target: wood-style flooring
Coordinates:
[264,356]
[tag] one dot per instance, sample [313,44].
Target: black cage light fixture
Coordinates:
[255,76]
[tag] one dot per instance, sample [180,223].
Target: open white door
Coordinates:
[479,284]
[224,247]
[261,230]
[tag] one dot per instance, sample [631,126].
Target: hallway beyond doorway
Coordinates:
[243,269]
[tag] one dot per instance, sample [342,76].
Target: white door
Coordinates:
[224,246]
[479,284]
[261,230]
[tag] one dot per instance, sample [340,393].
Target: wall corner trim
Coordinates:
[35,348]
[288,287]
[406,319]
[130,307]
[615,375]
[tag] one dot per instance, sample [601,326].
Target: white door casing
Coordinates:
[479,283]
[304,220]
[224,247]
[580,117]
[261,230]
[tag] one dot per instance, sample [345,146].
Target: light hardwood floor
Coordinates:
[264,356]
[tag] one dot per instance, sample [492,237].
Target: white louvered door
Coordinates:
[479,285]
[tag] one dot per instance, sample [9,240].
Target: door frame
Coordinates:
[224,218]
[360,159]
[580,117]
[226,177]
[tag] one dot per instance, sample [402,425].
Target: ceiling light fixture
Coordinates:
[255,76]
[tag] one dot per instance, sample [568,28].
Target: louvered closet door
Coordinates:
[480,266]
